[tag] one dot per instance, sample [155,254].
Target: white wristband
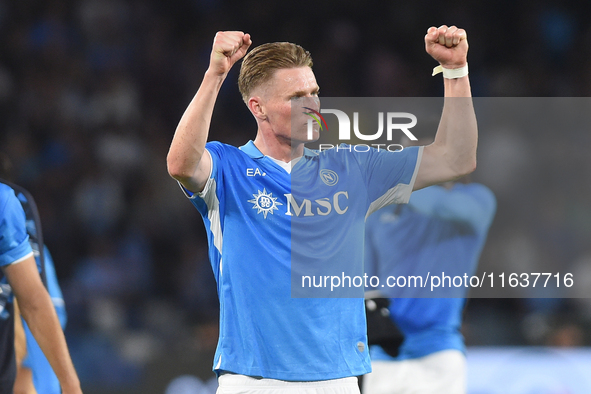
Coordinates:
[451,73]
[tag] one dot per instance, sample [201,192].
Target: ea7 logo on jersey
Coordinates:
[264,202]
[254,172]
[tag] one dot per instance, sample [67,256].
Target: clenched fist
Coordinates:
[228,48]
[447,45]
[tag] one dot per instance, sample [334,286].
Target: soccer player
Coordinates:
[269,341]
[34,373]
[441,229]
[20,275]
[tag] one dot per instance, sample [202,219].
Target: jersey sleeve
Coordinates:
[215,150]
[14,240]
[389,176]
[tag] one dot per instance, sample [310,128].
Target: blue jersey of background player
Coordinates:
[14,248]
[263,331]
[442,229]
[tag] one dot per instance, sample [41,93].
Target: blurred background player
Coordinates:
[35,368]
[442,229]
[34,374]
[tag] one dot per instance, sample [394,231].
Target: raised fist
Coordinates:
[447,45]
[228,48]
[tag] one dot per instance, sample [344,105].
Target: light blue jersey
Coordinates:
[440,230]
[14,241]
[249,206]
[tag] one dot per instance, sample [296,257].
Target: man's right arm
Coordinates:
[453,153]
[187,159]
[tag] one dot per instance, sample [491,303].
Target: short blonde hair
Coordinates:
[260,64]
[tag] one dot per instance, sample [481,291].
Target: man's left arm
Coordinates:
[453,152]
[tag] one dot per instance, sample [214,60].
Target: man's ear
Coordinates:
[257,107]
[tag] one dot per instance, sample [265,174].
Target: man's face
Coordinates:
[291,89]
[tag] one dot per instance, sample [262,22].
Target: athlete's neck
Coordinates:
[280,149]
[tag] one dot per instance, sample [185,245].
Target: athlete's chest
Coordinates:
[310,190]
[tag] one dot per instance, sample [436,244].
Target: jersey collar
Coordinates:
[251,150]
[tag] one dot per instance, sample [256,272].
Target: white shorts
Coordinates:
[441,373]
[240,384]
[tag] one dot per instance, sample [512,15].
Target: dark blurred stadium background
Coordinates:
[90,94]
